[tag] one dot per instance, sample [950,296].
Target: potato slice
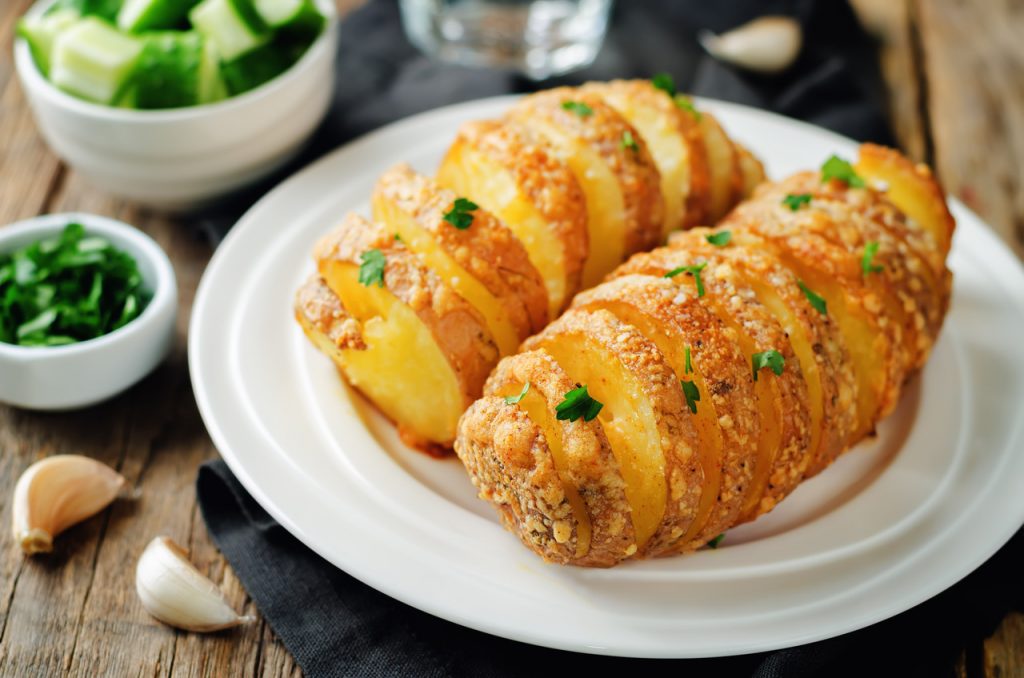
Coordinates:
[782,406]
[571,465]
[751,169]
[675,141]
[912,188]
[485,263]
[726,172]
[414,347]
[620,181]
[500,167]
[642,417]
[670,315]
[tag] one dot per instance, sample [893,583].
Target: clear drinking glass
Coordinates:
[539,38]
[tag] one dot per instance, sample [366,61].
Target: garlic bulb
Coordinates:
[55,493]
[175,592]
[767,45]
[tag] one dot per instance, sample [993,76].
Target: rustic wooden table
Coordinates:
[956,102]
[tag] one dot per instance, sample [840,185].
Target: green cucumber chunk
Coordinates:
[290,13]
[93,60]
[177,68]
[145,15]
[233,26]
[265,63]
[104,9]
[41,31]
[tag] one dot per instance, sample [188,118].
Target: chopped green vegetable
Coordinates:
[686,104]
[629,142]
[93,60]
[103,9]
[136,16]
[771,359]
[691,270]
[233,26]
[692,395]
[40,32]
[840,170]
[866,265]
[816,301]
[578,403]
[371,268]
[578,107]
[460,215]
[67,288]
[796,201]
[719,239]
[512,400]
[716,541]
[292,14]
[177,68]
[665,82]
[688,367]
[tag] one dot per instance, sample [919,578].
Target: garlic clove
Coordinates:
[175,592]
[766,45]
[55,493]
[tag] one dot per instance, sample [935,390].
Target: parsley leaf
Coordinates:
[460,215]
[665,82]
[692,394]
[816,301]
[692,270]
[578,107]
[720,239]
[840,170]
[512,400]
[67,288]
[796,201]
[629,142]
[688,367]
[577,403]
[870,250]
[771,359]
[716,541]
[686,104]
[371,268]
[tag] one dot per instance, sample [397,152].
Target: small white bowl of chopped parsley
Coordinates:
[175,103]
[87,308]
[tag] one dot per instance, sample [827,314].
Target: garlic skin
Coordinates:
[175,592]
[55,493]
[765,45]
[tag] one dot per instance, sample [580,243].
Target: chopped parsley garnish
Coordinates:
[577,403]
[578,107]
[67,288]
[816,301]
[688,367]
[796,201]
[665,82]
[692,270]
[685,104]
[870,250]
[629,142]
[371,268]
[460,215]
[512,400]
[398,238]
[716,541]
[771,359]
[720,239]
[840,170]
[692,394]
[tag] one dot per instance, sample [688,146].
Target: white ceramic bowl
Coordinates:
[179,159]
[76,375]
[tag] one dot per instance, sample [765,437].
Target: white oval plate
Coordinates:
[892,523]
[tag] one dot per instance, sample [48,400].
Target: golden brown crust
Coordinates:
[318,309]
[544,180]
[456,326]
[604,130]
[538,481]
[487,250]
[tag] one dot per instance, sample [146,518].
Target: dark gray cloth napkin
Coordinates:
[336,626]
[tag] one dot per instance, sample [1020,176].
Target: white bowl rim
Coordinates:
[33,77]
[164,283]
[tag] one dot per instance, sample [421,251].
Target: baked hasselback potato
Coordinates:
[719,371]
[416,306]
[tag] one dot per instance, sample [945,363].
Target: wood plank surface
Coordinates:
[957,100]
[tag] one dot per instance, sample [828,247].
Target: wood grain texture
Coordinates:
[956,99]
